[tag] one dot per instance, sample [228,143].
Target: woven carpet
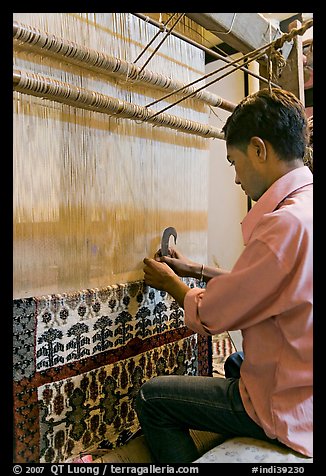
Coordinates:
[222,347]
[80,359]
[136,450]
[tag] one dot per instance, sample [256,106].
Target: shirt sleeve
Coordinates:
[247,295]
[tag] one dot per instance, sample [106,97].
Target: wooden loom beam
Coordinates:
[66,93]
[105,64]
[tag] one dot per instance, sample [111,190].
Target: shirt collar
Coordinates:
[269,201]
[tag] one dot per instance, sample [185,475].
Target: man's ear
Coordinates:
[258,147]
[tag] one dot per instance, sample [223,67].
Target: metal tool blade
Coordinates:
[170,231]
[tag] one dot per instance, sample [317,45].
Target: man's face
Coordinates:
[247,170]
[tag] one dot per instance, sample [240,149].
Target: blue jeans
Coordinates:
[168,406]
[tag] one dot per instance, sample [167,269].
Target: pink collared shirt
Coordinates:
[269,296]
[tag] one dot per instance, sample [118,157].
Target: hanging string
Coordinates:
[270,62]
[161,42]
[258,53]
[216,32]
[154,38]
[211,52]
[233,63]
[256,57]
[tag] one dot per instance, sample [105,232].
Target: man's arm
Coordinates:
[184,267]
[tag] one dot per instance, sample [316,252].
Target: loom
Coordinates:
[100,169]
[90,155]
[95,183]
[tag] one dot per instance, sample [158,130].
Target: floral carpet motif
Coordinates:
[80,358]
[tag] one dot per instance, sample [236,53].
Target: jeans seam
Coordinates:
[195,402]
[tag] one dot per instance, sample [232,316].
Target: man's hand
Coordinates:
[158,275]
[161,276]
[181,265]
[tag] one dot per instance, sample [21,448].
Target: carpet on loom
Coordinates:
[80,359]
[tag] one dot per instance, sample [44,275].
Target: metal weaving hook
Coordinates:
[166,238]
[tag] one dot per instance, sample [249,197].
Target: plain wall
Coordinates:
[227,203]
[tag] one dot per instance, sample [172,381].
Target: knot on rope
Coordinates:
[291,34]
